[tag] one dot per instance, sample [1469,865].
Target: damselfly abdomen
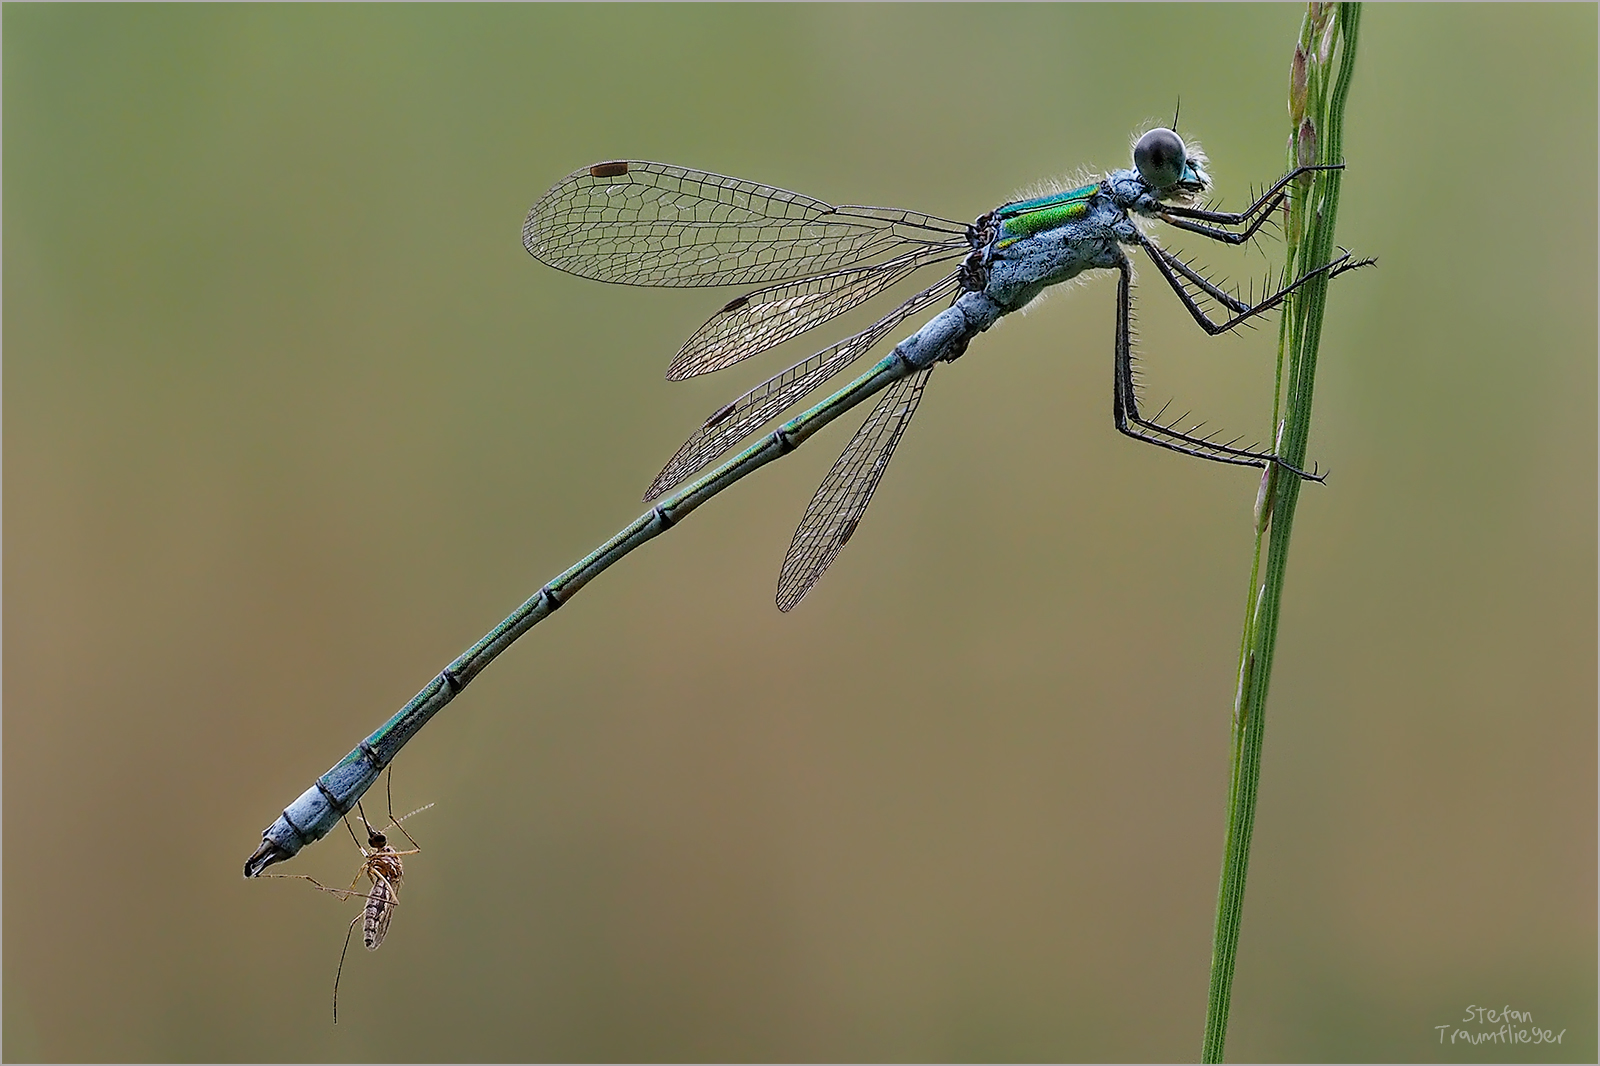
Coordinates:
[641,223]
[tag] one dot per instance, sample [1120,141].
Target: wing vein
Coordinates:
[642,223]
[834,513]
[735,421]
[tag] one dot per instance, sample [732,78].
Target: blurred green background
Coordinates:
[290,419]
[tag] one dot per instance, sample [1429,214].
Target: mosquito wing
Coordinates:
[737,420]
[641,223]
[381,902]
[834,512]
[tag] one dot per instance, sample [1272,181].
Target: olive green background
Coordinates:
[290,419]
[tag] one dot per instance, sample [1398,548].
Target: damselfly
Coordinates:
[641,223]
[381,866]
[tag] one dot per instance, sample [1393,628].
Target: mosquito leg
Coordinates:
[375,837]
[388,789]
[340,971]
[342,893]
[1125,404]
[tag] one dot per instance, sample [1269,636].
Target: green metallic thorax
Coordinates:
[1027,217]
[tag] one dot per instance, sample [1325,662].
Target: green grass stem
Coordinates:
[1320,74]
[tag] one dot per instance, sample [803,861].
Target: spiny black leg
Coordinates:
[1125,404]
[1190,218]
[1233,218]
[1223,235]
[1171,266]
[1211,289]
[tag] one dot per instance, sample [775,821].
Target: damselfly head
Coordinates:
[1168,166]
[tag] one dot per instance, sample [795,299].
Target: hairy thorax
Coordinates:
[1021,267]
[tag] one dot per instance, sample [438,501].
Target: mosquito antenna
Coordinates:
[381,864]
[419,810]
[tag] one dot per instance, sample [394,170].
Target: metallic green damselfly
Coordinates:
[641,223]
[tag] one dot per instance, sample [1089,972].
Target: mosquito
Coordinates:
[381,865]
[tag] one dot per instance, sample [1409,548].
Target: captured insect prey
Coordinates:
[382,867]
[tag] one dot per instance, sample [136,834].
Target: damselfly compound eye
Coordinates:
[802,262]
[1160,157]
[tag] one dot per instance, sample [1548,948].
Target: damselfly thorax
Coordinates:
[803,262]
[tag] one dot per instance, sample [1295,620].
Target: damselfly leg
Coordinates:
[1175,215]
[1125,401]
[803,262]
[1173,269]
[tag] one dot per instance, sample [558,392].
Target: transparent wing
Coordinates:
[381,902]
[641,223]
[737,420]
[834,512]
[767,317]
